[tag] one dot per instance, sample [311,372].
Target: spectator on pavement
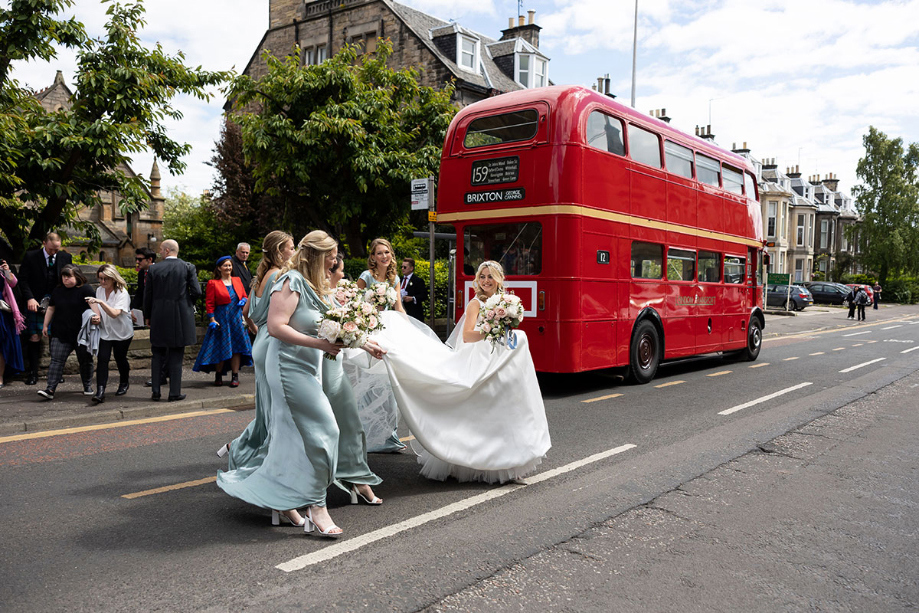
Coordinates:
[877,294]
[12,323]
[143,259]
[861,301]
[413,290]
[38,275]
[241,264]
[112,304]
[850,300]
[62,324]
[169,305]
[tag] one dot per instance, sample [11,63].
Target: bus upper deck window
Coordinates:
[644,146]
[749,185]
[605,133]
[708,170]
[504,128]
[733,180]
[679,159]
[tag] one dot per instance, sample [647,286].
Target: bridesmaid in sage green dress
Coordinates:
[303,435]
[352,466]
[249,448]
[381,268]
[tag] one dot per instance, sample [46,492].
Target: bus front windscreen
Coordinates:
[500,129]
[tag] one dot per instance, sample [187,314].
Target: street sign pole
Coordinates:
[432,217]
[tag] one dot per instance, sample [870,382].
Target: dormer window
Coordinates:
[467,53]
[531,70]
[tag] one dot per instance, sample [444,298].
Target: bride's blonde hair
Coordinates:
[309,260]
[496,272]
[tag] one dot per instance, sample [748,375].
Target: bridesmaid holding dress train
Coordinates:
[303,433]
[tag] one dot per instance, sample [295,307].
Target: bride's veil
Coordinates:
[455,340]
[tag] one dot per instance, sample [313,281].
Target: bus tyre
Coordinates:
[645,352]
[754,341]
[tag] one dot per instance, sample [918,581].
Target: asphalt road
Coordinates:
[128,517]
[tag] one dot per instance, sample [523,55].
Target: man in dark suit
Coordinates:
[143,260]
[241,264]
[413,290]
[170,292]
[38,275]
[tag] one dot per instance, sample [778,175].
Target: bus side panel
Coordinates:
[645,187]
[710,210]
[735,311]
[598,296]
[605,181]
[681,201]
[736,216]
[712,307]
[564,175]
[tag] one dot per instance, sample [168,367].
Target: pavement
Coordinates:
[23,410]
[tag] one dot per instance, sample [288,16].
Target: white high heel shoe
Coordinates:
[310,524]
[223,450]
[276,519]
[354,495]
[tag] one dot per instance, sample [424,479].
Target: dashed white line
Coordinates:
[857,366]
[908,350]
[342,547]
[745,405]
[892,327]
[857,333]
[818,353]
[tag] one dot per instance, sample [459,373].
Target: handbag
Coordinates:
[5,307]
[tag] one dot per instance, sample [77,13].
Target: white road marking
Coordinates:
[908,350]
[341,547]
[891,327]
[818,353]
[857,366]
[745,405]
[857,333]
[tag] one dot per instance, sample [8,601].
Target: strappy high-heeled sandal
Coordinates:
[327,533]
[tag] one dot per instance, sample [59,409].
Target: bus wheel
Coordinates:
[645,352]
[754,341]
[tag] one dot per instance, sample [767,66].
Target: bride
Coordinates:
[475,410]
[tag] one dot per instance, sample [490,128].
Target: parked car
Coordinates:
[795,296]
[825,292]
[867,288]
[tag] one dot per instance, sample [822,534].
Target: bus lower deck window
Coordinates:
[516,246]
[709,267]
[734,269]
[647,261]
[681,265]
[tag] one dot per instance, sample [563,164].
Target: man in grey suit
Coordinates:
[170,292]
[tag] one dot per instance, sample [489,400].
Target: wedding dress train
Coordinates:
[476,411]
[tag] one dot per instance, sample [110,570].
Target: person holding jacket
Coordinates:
[226,339]
[112,305]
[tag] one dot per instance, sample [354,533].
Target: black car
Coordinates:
[826,292]
[795,296]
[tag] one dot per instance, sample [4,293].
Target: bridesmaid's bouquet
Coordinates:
[351,323]
[382,296]
[346,291]
[498,318]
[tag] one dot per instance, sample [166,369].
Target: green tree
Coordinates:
[888,199]
[54,163]
[189,220]
[339,142]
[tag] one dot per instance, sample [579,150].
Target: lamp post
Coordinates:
[634,52]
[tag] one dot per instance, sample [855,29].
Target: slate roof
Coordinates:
[424,25]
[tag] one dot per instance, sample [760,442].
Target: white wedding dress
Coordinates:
[476,411]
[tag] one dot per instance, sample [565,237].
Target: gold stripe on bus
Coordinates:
[583,211]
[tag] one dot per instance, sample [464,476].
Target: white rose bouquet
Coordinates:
[350,324]
[498,318]
[346,291]
[382,296]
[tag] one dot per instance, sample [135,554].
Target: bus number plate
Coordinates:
[492,172]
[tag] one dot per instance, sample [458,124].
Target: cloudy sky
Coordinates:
[797,80]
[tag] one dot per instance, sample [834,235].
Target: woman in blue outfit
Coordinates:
[11,324]
[303,432]
[227,339]
[249,447]
[381,268]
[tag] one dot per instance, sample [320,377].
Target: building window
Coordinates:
[523,70]
[317,54]
[467,53]
[770,218]
[542,69]
[824,233]
[799,270]
[800,241]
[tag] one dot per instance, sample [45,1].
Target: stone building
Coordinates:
[443,51]
[121,233]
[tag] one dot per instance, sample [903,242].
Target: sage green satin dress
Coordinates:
[303,434]
[352,444]
[249,448]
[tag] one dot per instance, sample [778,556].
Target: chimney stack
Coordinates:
[524,27]
[831,182]
[531,17]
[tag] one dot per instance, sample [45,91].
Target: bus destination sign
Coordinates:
[495,195]
[492,172]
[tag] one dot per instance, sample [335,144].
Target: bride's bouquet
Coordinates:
[382,296]
[498,318]
[352,322]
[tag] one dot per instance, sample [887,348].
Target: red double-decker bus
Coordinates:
[628,241]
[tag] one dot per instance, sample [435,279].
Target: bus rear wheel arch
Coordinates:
[644,352]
